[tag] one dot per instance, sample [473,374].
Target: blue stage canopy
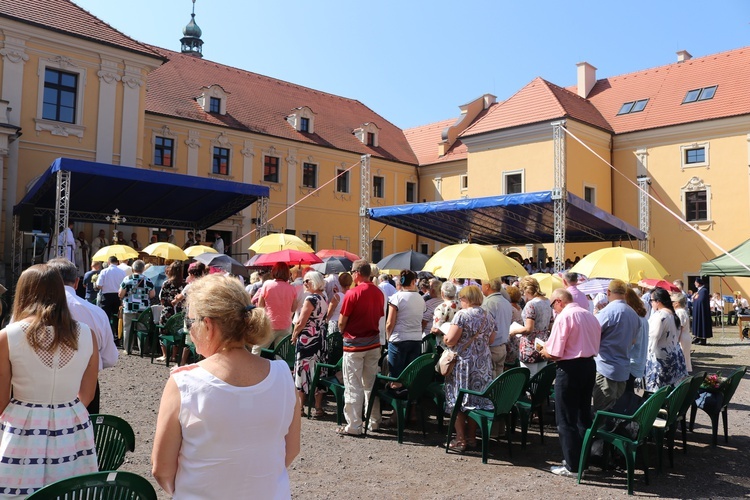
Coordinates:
[144,197]
[513,219]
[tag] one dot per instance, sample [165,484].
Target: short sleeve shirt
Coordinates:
[137,297]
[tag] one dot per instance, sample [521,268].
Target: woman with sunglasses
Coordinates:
[665,363]
[309,339]
[229,423]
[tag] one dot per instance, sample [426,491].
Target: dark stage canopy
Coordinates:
[144,197]
[513,219]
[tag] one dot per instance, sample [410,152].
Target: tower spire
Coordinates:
[191,40]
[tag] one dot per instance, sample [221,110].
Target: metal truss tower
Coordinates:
[559,193]
[644,210]
[262,216]
[364,206]
[62,204]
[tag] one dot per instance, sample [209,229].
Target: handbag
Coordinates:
[448,359]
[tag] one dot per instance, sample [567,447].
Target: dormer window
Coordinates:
[302,119]
[214,105]
[368,134]
[213,100]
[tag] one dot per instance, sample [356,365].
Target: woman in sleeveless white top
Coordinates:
[230,425]
[46,430]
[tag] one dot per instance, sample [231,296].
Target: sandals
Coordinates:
[319,413]
[457,446]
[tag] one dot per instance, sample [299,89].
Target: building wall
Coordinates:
[103,73]
[674,244]
[331,216]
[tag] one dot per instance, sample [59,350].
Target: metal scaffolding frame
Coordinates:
[559,193]
[262,224]
[62,205]
[364,207]
[644,210]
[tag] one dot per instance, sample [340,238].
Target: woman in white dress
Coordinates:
[51,364]
[679,301]
[228,426]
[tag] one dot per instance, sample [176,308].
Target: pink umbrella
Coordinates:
[291,257]
[337,252]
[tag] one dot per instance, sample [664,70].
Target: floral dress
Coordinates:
[311,344]
[513,345]
[167,294]
[473,370]
[665,362]
[443,314]
[540,311]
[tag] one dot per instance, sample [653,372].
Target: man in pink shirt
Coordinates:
[573,343]
[570,279]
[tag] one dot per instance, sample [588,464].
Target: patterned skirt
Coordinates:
[42,444]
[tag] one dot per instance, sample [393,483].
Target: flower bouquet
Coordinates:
[713,382]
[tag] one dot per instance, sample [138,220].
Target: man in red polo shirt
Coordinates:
[359,322]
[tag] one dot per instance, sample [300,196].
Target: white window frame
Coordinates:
[463,182]
[62,129]
[164,133]
[507,174]
[295,119]
[216,91]
[693,185]
[406,192]
[683,154]
[314,235]
[373,187]
[302,177]
[593,189]
[361,133]
[347,178]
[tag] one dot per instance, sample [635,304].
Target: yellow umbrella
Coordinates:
[278,241]
[548,282]
[122,252]
[621,263]
[469,260]
[198,249]
[165,251]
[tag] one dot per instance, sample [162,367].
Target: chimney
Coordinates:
[586,78]
[683,55]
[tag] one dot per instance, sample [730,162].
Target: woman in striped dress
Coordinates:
[50,362]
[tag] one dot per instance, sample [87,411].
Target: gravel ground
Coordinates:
[347,467]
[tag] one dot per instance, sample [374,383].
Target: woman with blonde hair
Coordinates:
[309,338]
[537,318]
[202,447]
[470,335]
[50,363]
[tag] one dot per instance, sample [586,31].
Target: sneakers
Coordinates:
[562,470]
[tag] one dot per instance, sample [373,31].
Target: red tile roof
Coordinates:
[260,104]
[666,86]
[538,101]
[424,142]
[66,17]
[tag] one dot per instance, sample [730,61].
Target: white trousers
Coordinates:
[360,369]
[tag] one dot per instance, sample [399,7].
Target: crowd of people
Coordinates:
[607,350]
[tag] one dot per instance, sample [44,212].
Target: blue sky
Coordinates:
[415,62]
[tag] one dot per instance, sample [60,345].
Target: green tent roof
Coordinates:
[724,265]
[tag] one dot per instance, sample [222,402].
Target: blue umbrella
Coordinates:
[157,275]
